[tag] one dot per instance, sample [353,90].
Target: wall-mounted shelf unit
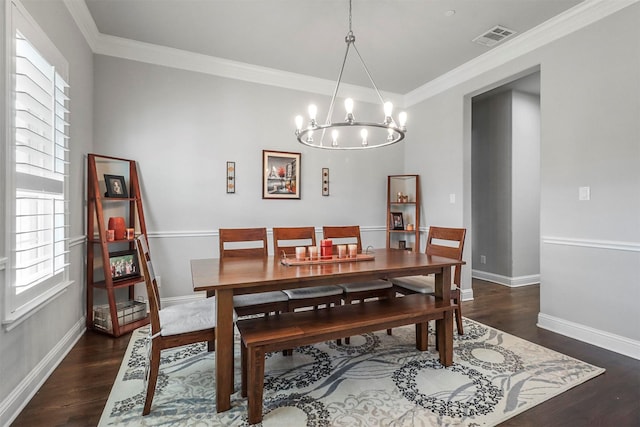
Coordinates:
[120,314]
[403,197]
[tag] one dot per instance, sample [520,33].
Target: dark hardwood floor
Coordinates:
[77,391]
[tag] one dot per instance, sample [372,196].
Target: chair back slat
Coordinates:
[346,234]
[448,243]
[285,239]
[150,282]
[243,243]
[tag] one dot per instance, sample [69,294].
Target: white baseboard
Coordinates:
[512,282]
[466,294]
[590,335]
[15,402]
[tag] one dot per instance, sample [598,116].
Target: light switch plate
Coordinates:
[584,193]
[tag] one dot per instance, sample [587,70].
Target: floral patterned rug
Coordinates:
[376,380]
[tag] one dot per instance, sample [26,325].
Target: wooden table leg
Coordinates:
[224,349]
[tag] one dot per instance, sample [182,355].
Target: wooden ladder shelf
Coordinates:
[132,314]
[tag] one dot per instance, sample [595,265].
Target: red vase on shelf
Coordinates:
[118,226]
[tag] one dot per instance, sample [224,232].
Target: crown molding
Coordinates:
[197,62]
[81,15]
[571,20]
[557,27]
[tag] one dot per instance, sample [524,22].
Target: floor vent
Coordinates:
[494,36]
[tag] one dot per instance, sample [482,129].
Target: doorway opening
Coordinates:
[505,182]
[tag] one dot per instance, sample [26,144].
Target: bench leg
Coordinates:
[255,383]
[422,336]
[243,365]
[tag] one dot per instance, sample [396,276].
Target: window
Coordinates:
[38,169]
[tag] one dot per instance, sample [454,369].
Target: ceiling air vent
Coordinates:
[494,36]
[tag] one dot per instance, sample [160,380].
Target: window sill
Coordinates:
[18,316]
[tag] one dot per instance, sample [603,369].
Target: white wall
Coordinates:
[590,135]
[32,349]
[182,127]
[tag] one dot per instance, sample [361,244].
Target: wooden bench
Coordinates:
[295,329]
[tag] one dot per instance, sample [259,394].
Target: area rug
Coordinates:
[376,380]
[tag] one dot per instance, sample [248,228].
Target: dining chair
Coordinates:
[445,242]
[251,243]
[357,291]
[285,241]
[172,326]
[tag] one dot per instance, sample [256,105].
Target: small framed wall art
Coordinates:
[325,181]
[231,177]
[280,175]
[116,186]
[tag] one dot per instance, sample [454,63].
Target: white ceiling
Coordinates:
[405,43]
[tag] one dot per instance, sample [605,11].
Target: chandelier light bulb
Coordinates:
[388,109]
[348,105]
[299,123]
[402,118]
[313,112]
[364,134]
[334,137]
[390,137]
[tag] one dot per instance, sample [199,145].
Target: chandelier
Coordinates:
[359,135]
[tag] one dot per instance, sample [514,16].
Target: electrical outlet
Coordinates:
[483,259]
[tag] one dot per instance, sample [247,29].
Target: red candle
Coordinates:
[326,248]
[117,225]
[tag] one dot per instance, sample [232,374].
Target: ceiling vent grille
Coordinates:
[494,36]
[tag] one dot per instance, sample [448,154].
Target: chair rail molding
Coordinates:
[597,244]
[214,233]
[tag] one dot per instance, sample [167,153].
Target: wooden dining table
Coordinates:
[236,276]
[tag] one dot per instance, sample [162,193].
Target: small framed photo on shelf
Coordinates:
[116,186]
[397,222]
[402,244]
[280,175]
[123,265]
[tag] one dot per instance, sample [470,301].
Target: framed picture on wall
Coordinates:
[397,222]
[280,175]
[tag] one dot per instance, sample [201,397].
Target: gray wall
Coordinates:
[32,349]
[506,187]
[492,184]
[182,127]
[590,135]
